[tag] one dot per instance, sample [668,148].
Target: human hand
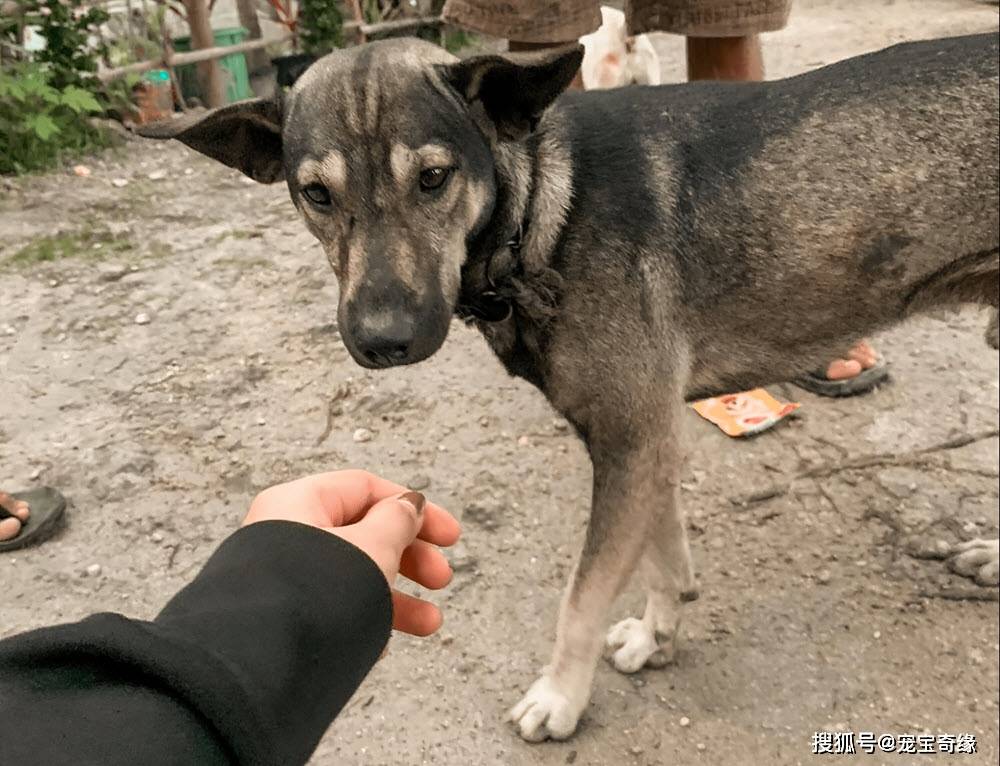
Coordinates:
[397,529]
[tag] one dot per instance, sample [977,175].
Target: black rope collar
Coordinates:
[496,302]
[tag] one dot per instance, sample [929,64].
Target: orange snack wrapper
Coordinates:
[744,413]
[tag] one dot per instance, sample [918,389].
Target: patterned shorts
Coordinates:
[555,21]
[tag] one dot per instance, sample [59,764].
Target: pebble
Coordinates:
[524,441]
[81,170]
[142,318]
[823,577]
[156,537]
[157,175]
[700,745]
[636,750]
[36,473]
[188,171]
[94,570]
[119,183]
[9,330]
[362,435]
[419,482]
[685,721]
[877,634]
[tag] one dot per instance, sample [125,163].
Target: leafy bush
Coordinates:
[321,25]
[40,122]
[66,26]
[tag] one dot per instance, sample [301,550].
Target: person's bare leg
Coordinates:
[515,46]
[724,58]
[10,526]
[740,59]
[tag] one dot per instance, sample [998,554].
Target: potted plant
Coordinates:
[316,27]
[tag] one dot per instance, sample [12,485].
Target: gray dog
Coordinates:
[627,250]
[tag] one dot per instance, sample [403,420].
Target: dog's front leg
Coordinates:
[630,484]
[669,577]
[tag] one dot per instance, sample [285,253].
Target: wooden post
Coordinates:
[247,9]
[209,72]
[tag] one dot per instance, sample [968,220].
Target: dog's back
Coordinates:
[808,209]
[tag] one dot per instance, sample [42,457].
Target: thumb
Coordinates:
[387,529]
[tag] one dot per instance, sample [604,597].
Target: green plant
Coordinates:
[87,242]
[321,26]
[67,26]
[41,123]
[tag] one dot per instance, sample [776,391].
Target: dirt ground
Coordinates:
[178,351]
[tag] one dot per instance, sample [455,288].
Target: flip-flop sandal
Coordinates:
[817,383]
[47,507]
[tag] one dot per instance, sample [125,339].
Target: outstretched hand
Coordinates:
[398,529]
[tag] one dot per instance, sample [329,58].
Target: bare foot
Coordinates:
[10,526]
[861,357]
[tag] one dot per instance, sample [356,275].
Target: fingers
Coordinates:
[386,530]
[426,565]
[414,616]
[353,492]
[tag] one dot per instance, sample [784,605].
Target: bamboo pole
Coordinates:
[202,38]
[207,54]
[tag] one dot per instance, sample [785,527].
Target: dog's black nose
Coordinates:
[385,341]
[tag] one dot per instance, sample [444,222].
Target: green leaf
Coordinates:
[42,125]
[80,100]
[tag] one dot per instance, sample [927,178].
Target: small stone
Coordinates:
[81,170]
[700,745]
[685,721]
[560,425]
[94,570]
[823,577]
[261,422]
[419,482]
[524,441]
[188,171]
[362,435]
[111,272]
[157,175]
[877,634]
[156,537]
[9,330]
[119,183]
[636,749]
[36,473]
[142,318]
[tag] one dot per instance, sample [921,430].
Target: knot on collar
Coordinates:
[490,286]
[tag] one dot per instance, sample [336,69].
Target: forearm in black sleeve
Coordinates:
[248,664]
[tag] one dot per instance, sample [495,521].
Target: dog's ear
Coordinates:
[514,90]
[245,135]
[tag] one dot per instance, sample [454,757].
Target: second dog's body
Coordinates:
[626,250]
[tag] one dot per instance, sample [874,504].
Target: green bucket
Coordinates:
[234,67]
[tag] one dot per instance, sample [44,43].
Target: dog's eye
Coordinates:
[317,194]
[433,178]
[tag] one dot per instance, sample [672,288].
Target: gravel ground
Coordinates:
[184,354]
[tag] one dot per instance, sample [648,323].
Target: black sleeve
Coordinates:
[248,664]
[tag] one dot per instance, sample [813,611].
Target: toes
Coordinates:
[632,645]
[545,713]
[842,369]
[979,559]
[18,508]
[9,528]
[989,574]
[863,354]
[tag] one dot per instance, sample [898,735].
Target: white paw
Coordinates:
[633,646]
[978,559]
[546,712]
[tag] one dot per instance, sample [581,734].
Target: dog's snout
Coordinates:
[385,339]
